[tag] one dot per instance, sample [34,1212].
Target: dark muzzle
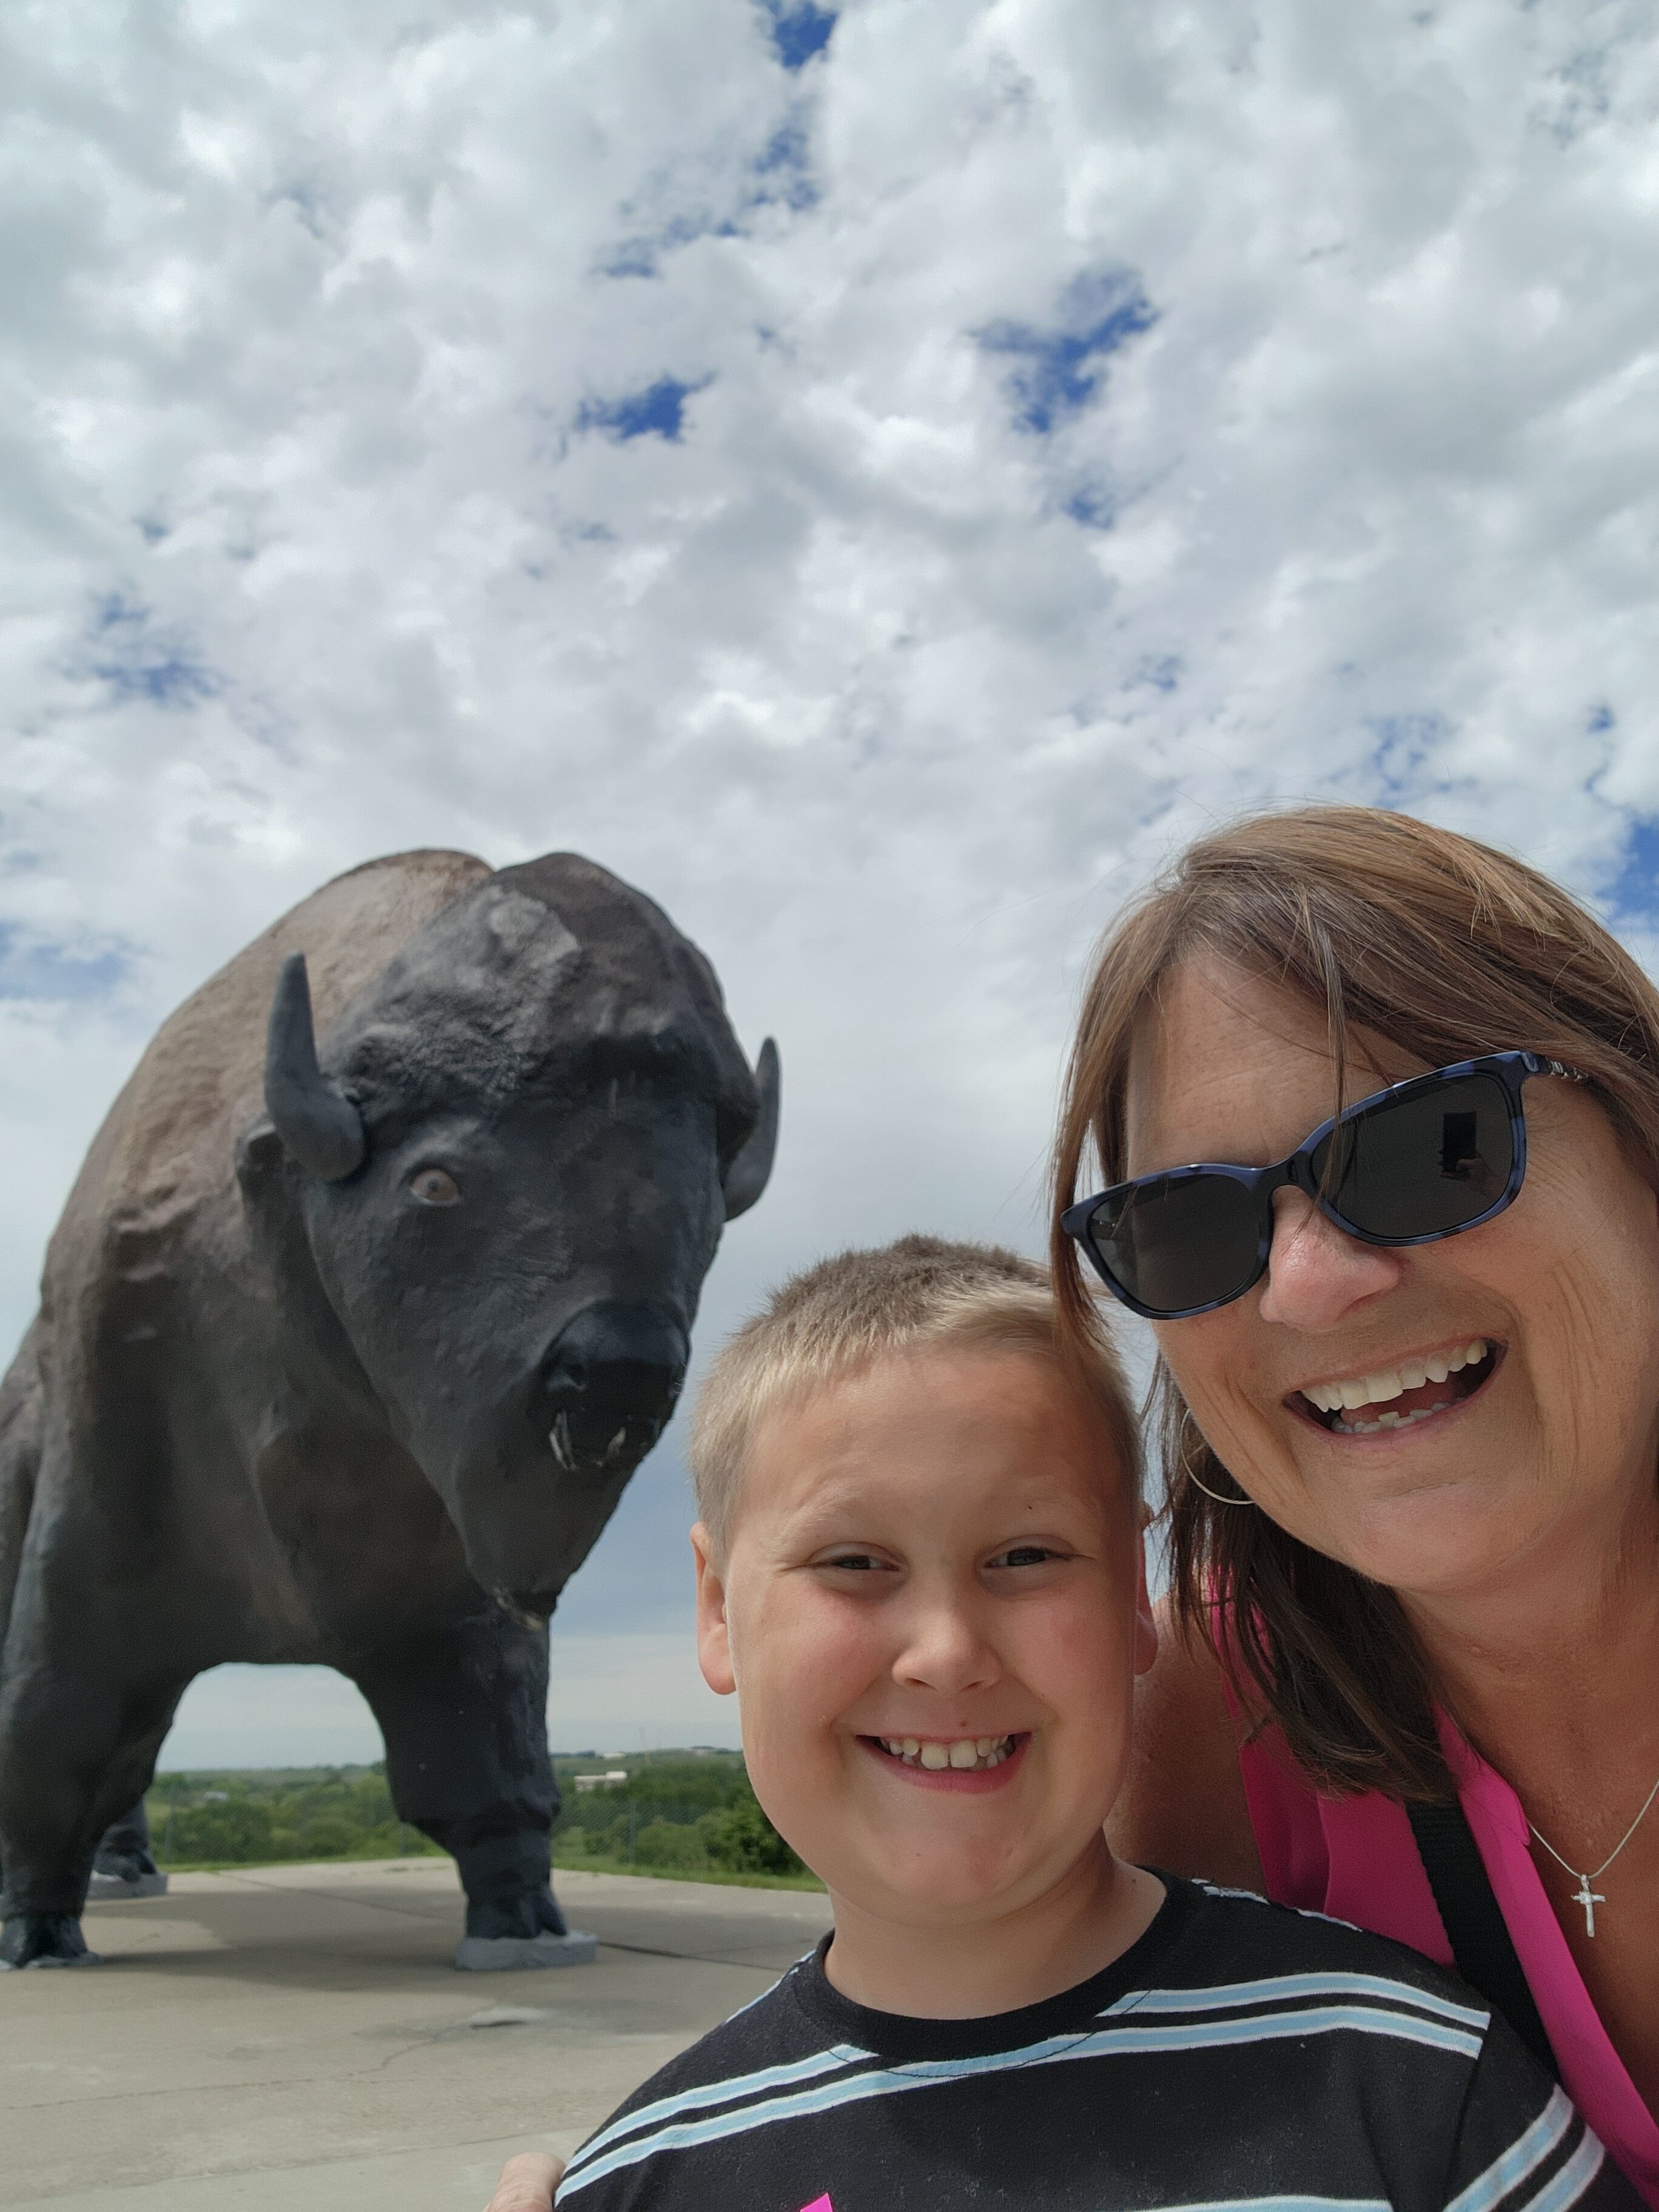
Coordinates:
[609,1384]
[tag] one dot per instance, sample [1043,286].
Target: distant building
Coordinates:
[613,1780]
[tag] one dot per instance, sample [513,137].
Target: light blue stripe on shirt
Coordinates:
[1524,2156]
[724,2093]
[1224,1994]
[1574,2178]
[1126,2040]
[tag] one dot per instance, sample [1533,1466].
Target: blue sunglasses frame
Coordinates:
[1511,1070]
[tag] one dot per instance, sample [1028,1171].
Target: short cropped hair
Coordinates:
[834,1320]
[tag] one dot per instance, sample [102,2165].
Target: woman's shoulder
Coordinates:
[1182,1805]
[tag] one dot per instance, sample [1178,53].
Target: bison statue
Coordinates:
[375,1287]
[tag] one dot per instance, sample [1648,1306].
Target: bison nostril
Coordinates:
[609,1384]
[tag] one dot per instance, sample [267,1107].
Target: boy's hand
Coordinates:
[528,2183]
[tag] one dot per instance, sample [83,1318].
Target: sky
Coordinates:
[880,479]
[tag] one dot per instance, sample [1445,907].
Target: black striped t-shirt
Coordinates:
[1240,2057]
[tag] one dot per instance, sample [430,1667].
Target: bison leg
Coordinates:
[124,1865]
[464,1713]
[75,1748]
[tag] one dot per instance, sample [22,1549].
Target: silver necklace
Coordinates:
[1584,1895]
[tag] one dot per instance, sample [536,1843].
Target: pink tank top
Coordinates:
[1356,1859]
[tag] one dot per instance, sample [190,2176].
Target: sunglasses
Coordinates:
[1422,1160]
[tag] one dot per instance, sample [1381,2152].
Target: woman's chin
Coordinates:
[1433,1531]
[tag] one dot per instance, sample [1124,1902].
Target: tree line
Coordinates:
[676,1813]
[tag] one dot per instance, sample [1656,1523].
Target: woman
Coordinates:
[1410,1389]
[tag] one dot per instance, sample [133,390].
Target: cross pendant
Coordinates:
[1589,1899]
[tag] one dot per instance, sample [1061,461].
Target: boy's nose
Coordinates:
[945,1651]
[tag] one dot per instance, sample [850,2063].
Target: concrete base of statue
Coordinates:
[104,1886]
[496,1954]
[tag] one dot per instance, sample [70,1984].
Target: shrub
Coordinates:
[743,1839]
[671,1843]
[327,1836]
[239,1832]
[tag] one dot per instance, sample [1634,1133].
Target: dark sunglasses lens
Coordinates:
[1178,1241]
[1425,1165]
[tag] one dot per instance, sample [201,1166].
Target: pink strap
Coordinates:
[1355,1858]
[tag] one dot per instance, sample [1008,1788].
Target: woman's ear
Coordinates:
[713,1639]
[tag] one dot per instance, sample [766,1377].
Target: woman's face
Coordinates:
[1554,1450]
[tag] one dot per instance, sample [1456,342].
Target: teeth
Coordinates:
[967,1752]
[1390,1420]
[1348,1395]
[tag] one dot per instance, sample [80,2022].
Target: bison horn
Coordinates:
[318,1125]
[746,1179]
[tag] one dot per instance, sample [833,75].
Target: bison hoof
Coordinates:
[533,1912]
[127,1875]
[498,1954]
[44,1939]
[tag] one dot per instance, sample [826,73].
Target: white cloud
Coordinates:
[323,537]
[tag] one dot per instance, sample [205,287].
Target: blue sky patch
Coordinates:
[1634,892]
[140,661]
[1160,672]
[1091,508]
[658,411]
[783,168]
[799,30]
[34,967]
[1403,758]
[641,255]
[1058,370]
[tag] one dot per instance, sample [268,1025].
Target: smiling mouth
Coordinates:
[967,1754]
[1399,1397]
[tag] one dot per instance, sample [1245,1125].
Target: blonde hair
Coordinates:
[834,1320]
[1449,949]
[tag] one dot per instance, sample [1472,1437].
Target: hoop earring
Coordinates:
[1215,1494]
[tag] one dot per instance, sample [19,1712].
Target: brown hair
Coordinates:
[833,1320]
[1447,948]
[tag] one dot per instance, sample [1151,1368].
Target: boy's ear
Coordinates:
[713,1639]
[1146,1619]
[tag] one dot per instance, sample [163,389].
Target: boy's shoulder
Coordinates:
[1285,1941]
[760,2049]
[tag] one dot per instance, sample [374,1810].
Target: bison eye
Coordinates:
[433,1188]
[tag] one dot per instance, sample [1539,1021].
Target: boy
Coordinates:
[919,1566]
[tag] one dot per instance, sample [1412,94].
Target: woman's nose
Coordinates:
[1315,1275]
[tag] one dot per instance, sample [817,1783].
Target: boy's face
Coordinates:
[932,1562]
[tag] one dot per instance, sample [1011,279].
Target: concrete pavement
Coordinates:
[297,2036]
